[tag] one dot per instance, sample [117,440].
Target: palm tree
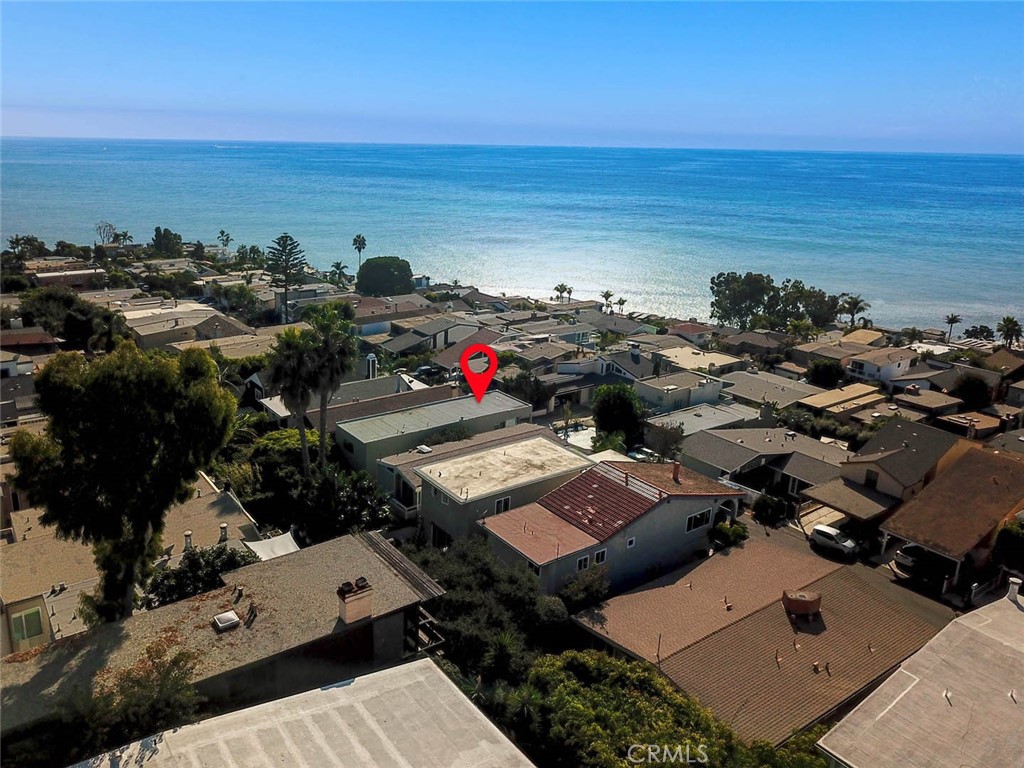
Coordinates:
[620,302]
[291,370]
[607,296]
[854,305]
[951,320]
[359,243]
[569,292]
[338,271]
[333,356]
[224,238]
[560,290]
[912,334]
[1010,331]
[125,237]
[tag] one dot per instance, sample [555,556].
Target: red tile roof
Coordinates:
[602,501]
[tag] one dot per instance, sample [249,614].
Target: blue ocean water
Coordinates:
[918,235]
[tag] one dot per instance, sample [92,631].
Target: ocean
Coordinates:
[919,236]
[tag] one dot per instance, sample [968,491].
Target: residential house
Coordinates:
[931,402]
[365,440]
[614,324]
[787,369]
[755,344]
[630,365]
[695,333]
[946,377]
[840,351]
[1009,365]
[29,341]
[14,364]
[577,387]
[438,726]
[577,334]
[1012,441]
[674,391]
[662,429]
[233,347]
[777,460]
[869,336]
[542,357]
[18,401]
[449,359]
[628,518]
[882,365]
[158,324]
[330,612]
[974,425]
[374,316]
[689,359]
[459,490]
[43,576]
[891,468]
[397,478]
[832,401]
[719,631]
[952,702]
[1015,395]
[958,514]
[882,412]
[655,342]
[78,279]
[754,388]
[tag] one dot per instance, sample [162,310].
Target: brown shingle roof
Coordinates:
[375,406]
[964,504]
[602,501]
[686,605]
[861,635]
[449,358]
[690,483]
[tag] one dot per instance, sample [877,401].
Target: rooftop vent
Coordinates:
[355,601]
[222,622]
[424,449]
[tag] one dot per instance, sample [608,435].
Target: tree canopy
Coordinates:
[166,243]
[127,437]
[198,571]
[618,408]
[59,310]
[753,300]
[286,263]
[384,276]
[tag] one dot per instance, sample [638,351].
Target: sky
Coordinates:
[924,77]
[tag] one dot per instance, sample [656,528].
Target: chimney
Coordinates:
[355,601]
[1013,593]
[188,539]
[675,472]
[223,533]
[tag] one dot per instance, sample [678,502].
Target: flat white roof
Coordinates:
[432,416]
[486,472]
[409,715]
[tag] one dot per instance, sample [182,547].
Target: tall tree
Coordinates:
[292,372]
[105,231]
[621,303]
[334,354]
[568,292]
[951,320]
[338,271]
[286,263]
[384,276]
[854,305]
[127,436]
[1009,330]
[618,408]
[607,296]
[560,290]
[224,238]
[359,243]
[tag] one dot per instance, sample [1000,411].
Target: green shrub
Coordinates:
[725,535]
[769,510]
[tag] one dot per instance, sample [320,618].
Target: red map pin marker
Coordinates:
[479,381]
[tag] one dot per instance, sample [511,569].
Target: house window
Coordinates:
[630,542]
[871,479]
[502,505]
[27,624]
[583,563]
[600,556]
[699,520]
[444,498]
[439,537]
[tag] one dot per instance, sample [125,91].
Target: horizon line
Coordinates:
[518,146]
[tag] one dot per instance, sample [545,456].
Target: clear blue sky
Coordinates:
[943,77]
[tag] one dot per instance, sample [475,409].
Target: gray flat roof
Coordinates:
[706,416]
[769,387]
[957,701]
[489,471]
[409,715]
[432,416]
